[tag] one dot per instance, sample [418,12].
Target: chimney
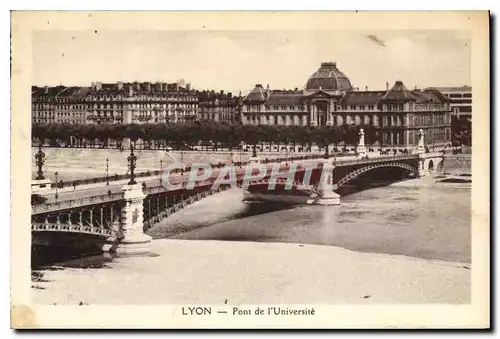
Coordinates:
[130,90]
[120,85]
[366,88]
[387,86]
[137,86]
[188,86]
[98,85]
[45,89]
[221,91]
[148,87]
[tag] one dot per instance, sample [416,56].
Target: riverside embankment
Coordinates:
[217,272]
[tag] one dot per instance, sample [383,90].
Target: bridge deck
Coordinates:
[105,194]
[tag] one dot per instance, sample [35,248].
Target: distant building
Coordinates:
[460,100]
[218,106]
[114,103]
[329,99]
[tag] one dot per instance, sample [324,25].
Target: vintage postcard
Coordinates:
[250,170]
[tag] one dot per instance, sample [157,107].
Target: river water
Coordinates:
[416,219]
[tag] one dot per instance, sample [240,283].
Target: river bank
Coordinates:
[218,272]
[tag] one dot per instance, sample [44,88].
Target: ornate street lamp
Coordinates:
[326,152]
[254,154]
[161,171]
[241,150]
[40,160]
[107,171]
[286,154]
[132,159]
[57,184]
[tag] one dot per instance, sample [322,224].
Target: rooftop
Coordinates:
[464,88]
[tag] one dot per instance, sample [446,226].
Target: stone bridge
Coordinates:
[119,219]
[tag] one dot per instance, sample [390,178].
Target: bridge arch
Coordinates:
[356,173]
[152,220]
[432,163]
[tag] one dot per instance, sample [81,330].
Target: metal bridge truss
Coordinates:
[176,207]
[100,220]
[354,174]
[72,228]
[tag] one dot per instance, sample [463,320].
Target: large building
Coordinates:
[137,102]
[218,106]
[460,100]
[330,99]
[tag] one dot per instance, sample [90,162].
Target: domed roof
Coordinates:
[328,78]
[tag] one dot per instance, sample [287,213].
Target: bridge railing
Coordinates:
[367,160]
[71,228]
[145,174]
[71,203]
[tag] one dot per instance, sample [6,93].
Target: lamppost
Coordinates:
[161,171]
[241,150]
[254,154]
[326,152]
[57,184]
[107,171]
[40,160]
[132,159]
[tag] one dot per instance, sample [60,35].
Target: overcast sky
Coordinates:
[237,60]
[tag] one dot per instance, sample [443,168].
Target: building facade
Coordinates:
[460,100]
[329,99]
[128,103]
[218,106]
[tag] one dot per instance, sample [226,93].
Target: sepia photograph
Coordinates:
[318,170]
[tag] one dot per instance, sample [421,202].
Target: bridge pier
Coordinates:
[133,240]
[327,196]
[428,163]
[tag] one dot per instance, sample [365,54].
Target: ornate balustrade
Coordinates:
[73,203]
[72,228]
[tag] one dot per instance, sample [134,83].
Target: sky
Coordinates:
[237,60]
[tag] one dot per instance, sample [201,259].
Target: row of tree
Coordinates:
[179,136]
[214,134]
